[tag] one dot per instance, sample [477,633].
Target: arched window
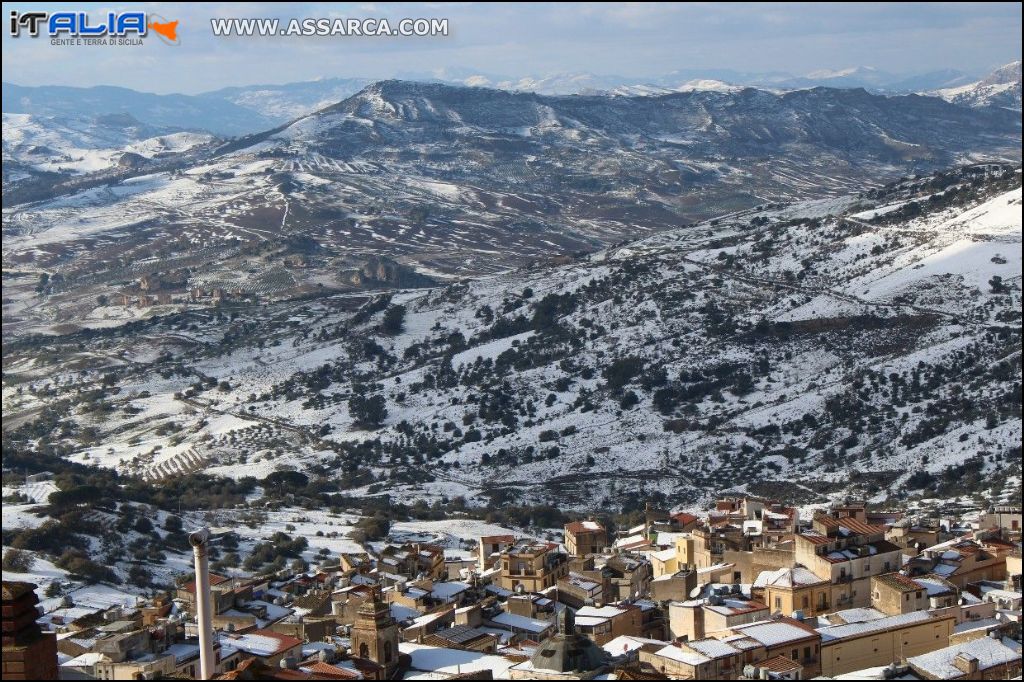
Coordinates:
[387,652]
[364,650]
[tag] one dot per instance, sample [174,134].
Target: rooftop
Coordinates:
[775,632]
[940,664]
[787,577]
[261,642]
[833,632]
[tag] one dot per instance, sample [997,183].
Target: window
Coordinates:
[778,602]
[387,652]
[806,601]
[364,650]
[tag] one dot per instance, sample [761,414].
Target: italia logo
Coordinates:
[81,25]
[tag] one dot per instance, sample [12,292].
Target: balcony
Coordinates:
[528,573]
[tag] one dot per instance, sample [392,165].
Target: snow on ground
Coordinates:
[303,523]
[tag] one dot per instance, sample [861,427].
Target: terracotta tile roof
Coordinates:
[853,525]
[682,518]
[495,539]
[214,580]
[780,664]
[814,538]
[584,527]
[321,670]
[899,582]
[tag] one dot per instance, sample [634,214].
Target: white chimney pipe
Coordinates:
[204,608]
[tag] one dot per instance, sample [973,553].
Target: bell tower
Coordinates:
[375,635]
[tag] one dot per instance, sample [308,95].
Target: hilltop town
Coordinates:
[750,589]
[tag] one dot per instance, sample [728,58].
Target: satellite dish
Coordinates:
[695,592]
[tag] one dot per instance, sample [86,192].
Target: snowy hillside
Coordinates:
[1001,88]
[866,343]
[452,182]
[42,144]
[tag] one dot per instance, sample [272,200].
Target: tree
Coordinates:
[367,412]
[629,400]
[394,320]
[18,561]
[744,384]
[620,372]
[997,284]
[139,576]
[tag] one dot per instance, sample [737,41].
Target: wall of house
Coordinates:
[812,599]
[715,622]
[752,564]
[685,622]
[881,648]
[893,602]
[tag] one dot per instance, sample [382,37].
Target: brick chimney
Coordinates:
[28,653]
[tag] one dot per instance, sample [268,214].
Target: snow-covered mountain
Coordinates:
[458,181]
[71,145]
[1001,88]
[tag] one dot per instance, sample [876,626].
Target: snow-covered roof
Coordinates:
[520,622]
[773,633]
[933,585]
[600,612]
[260,642]
[856,615]
[448,590]
[877,625]
[939,664]
[682,655]
[712,648]
[732,607]
[787,577]
[431,659]
[86,660]
[625,643]
[665,554]
[183,651]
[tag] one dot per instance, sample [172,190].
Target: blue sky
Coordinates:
[627,39]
